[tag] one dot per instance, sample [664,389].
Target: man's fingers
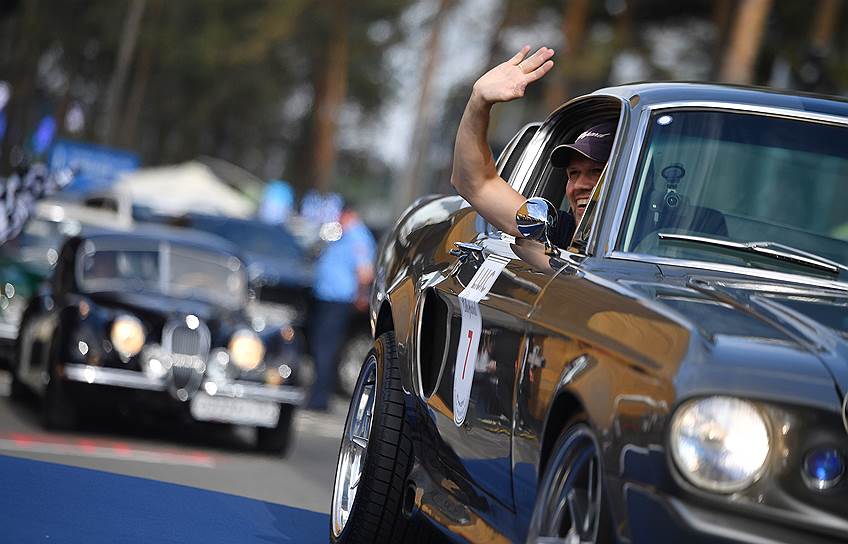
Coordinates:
[540,71]
[537,59]
[519,56]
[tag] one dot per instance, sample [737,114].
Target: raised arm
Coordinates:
[474,174]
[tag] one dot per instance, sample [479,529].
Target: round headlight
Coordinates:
[246,350]
[127,335]
[720,443]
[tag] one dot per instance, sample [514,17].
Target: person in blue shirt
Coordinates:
[343,275]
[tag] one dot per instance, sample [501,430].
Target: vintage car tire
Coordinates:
[574,466]
[58,412]
[375,514]
[277,440]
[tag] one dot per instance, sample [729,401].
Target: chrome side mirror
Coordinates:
[536,218]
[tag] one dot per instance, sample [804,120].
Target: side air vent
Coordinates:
[433,334]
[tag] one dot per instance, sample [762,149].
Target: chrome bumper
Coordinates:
[118,377]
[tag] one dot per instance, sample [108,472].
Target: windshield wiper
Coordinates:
[774,250]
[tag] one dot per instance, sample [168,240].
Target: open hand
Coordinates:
[508,81]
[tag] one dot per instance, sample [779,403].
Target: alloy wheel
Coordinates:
[354,445]
[572,512]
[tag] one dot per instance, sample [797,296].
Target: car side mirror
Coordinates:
[536,218]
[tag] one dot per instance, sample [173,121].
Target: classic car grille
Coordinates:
[189,348]
[177,337]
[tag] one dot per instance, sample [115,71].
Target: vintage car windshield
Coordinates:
[713,184]
[170,269]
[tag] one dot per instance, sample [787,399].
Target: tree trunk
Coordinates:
[330,94]
[114,94]
[141,76]
[410,180]
[574,18]
[21,80]
[827,16]
[745,41]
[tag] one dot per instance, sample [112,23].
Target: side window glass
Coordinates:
[508,159]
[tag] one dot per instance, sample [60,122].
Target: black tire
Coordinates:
[277,440]
[567,469]
[58,412]
[376,514]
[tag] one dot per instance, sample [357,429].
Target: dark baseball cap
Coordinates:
[594,143]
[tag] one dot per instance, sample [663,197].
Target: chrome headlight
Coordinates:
[246,349]
[127,335]
[720,443]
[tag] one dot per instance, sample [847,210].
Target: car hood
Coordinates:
[267,270]
[162,306]
[762,326]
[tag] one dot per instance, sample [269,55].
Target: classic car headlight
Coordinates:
[720,443]
[246,349]
[127,335]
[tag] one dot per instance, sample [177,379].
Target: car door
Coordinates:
[488,295]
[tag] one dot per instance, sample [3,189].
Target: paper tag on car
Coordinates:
[469,340]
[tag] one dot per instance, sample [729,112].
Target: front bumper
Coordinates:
[656,517]
[118,377]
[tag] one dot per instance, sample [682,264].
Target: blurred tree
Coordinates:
[745,40]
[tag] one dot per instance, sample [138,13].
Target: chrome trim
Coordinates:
[285,394]
[117,377]
[627,182]
[132,379]
[418,326]
[773,111]
[729,268]
[741,107]
[611,167]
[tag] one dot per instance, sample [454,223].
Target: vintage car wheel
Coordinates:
[278,439]
[57,410]
[571,505]
[375,454]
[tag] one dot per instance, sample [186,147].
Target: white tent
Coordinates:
[182,188]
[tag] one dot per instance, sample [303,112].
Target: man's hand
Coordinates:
[508,81]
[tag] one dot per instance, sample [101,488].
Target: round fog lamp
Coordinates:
[823,468]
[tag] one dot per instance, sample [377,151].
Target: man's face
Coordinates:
[583,174]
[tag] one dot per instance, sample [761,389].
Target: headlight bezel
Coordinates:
[705,483]
[246,339]
[119,344]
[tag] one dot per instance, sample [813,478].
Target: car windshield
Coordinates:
[252,237]
[708,177]
[170,269]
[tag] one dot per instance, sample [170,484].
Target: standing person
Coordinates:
[343,275]
[20,191]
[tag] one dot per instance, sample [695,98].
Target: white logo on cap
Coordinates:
[589,134]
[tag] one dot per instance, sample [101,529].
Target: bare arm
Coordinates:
[474,174]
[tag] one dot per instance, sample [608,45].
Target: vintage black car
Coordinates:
[677,373]
[156,320]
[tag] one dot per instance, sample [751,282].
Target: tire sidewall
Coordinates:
[379,351]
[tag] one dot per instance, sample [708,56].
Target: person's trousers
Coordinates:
[327,329]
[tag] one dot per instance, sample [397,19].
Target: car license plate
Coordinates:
[233,410]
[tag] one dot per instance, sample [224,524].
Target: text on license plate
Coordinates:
[233,410]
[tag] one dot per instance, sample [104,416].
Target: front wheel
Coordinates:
[375,454]
[571,505]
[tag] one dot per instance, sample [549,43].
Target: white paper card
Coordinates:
[469,340]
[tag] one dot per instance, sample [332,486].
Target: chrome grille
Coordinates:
[177,337]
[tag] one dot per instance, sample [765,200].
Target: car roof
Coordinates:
[153,232]
[660,93]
